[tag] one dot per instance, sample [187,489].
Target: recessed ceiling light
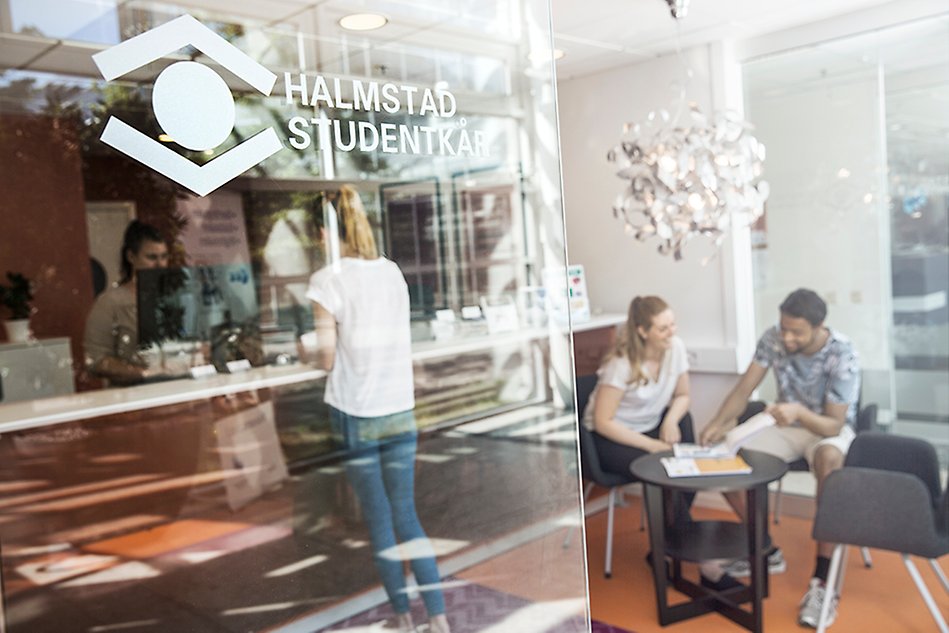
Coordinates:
[544,55]
[164,138]
[363,21]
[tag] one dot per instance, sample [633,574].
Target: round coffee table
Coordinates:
[708,540]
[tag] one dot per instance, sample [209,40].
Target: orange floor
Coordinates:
[882,599]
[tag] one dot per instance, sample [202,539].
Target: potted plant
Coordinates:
[16,296]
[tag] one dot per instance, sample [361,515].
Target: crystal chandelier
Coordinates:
[684,179]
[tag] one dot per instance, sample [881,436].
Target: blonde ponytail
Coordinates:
[355,230]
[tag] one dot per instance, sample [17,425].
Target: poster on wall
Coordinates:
[577,292]
[573,300]
[215,233]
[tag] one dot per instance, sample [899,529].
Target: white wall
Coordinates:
[592,111]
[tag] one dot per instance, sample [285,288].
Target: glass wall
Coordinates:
[271,428]
[858,157]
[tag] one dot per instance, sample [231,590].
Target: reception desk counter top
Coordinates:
[18,416]
[30,414]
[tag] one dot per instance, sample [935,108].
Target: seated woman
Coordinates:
[111,337]
[641,401]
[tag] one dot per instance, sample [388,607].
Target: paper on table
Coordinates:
[734,440]
[689,467]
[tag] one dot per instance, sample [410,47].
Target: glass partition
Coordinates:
[858,143]
[291,361]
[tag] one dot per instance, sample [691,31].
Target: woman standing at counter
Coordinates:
[111,338]
[361,310]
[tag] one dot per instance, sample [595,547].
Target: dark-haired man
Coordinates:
[818,381]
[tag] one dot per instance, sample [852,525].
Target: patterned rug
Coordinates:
[476,609]
[602,627]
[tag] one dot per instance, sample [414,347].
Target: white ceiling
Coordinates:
[600,34]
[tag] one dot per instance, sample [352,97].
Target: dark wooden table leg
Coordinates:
[657,542]
[757,520]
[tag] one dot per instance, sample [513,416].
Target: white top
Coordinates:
[372,372]
[641,405]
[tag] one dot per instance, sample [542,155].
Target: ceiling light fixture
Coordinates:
[164,138]
[363,21]
[689,177]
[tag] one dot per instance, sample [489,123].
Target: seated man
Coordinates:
[818,381]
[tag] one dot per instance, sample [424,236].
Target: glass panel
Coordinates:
[857,149]
[234,415]
[918,159]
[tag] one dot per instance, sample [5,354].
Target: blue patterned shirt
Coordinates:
[832,374]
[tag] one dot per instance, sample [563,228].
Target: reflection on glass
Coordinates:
[231,501]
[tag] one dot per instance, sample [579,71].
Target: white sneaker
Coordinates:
[741,568]
[813,601]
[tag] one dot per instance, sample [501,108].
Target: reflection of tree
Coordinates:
[271,208]
[78,112]
[109,175]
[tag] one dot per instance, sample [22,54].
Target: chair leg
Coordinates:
[569,535]
[939,574]
[839,586]
[608,565]
[924,592]
[865,553]
[831,585]
[777,502]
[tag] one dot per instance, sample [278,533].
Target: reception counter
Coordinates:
[31,414]
[111,497]
[18,416]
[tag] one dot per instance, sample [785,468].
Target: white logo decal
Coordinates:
[192,103]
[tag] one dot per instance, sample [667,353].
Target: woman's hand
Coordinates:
[657,446]
[669,432]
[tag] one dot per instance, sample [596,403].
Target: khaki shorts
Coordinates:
[791,443]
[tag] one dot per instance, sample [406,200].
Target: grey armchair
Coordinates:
[890,502]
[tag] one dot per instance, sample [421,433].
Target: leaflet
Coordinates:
[689,467]
[734,440]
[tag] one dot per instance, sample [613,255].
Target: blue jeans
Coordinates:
[380,464]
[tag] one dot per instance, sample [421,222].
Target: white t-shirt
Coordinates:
[372,372]
[641,405]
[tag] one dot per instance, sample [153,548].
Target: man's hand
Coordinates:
[712,434]
[669,432]
[786,413]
